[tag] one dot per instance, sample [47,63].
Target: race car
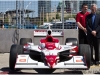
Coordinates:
[50,54]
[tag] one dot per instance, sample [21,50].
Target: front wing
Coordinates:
[24,61]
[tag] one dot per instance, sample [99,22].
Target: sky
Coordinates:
[6,5]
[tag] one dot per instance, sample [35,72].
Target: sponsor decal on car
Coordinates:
[79,60]
[22,60]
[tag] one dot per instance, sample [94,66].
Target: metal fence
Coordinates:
[34,14]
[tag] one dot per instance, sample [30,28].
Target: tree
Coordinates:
[45,20]
[53,18]
[60,6]
[6,20]
[57,16]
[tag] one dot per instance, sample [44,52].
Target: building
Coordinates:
[52,16]
[74,6]
[87,2]
[68,6]
[2,16]
[44,6]
[60,6]
[71,6]
[9,17]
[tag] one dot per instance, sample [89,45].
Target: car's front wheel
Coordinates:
[14,51]
[85,51]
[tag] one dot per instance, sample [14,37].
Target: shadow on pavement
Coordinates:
[48,71]
[45,71]
[6,70]
[97,72]
[72,72]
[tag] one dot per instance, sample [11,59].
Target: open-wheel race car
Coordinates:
[49,54]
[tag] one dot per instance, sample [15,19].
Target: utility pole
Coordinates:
[71,4]
[33,16]
[16,33]
[40,18]
[55,12]
[23,12]
[77,6]
[43,15]
[40,14]
[17,13]
[62,11]
[20,13]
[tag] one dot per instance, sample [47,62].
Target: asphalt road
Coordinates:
[4,68]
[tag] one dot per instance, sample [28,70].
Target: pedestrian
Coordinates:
[93,33]
[81,22]
[1,24]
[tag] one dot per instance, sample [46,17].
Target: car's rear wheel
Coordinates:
[14,51]
[85,51]
[74,41]
[24,41]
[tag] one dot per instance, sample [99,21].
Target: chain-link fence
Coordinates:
[39,14]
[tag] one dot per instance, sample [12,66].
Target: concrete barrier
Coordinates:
[7,37]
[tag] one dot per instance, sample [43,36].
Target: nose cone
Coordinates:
[51,60]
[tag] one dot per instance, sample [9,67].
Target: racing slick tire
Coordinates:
[73,40]
[24,41]
[84,50]
[14,51]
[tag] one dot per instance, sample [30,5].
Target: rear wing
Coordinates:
[44,32]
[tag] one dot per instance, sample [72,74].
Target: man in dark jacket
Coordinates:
[93,32]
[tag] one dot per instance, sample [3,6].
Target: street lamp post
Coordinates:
[43,15]
[62,15]
[20,14]
[27,7]
[3,17]
[77,6]
[40,14]
[71,4]
[55,13]
[17,13]
[33,16]
[23,12]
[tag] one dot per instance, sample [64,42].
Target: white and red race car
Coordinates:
[49,54]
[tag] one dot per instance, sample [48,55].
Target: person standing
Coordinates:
[1,24]
[81,22]
[93,32]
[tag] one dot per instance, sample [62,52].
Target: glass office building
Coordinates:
[75,5]
[72,5]
[87,2]
[44,6]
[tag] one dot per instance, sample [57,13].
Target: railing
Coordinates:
[59,26]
